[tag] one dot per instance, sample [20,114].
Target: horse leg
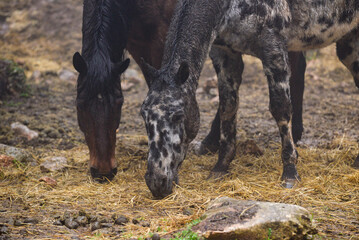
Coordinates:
[348,53]
[297,66]
[276,67]
[211,142]
[229,67]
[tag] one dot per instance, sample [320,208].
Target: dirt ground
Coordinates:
[42,35]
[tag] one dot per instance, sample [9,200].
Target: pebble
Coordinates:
[95,226]
[24,131]
[20,155]
[67,75]
[82,220]
[145,224]
[49,181]
[135,221]
[156,236]
[58,223]
[121,220]
[31,220]
[71,224]
[54,164]
[18,223]
[93,218]
[4,229]
[106,225]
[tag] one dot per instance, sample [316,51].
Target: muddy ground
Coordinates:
[42,36]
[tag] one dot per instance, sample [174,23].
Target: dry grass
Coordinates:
[329,189]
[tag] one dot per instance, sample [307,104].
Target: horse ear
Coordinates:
[148,71]
[182,74]
[79,63]
[122,66]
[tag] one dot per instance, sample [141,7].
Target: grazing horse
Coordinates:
[109,27]
[265,29]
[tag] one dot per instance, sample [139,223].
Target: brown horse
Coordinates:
[109,27]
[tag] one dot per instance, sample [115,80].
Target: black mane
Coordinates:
[105,28]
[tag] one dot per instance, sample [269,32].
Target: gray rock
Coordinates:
[67,75]
[24,131]
[4,229]
[95,226]
[156,236]
[54,164]
[228,218]
[121,220]
[20,155]
[31,220]
[82,220]
[71,223]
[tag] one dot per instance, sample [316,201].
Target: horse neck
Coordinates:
[105,28]
[191,33]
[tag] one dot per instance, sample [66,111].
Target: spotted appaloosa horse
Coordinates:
[267,29]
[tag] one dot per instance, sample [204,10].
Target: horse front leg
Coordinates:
[276,67]
[229,67]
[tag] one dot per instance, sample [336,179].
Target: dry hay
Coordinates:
[329,189]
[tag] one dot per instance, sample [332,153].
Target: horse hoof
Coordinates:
[217,175]
[289,183]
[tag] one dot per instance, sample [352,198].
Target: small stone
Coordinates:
[31,220]
[49,181]
[58,223]
[67,215]
[4,229]
[18,223]
[93,218]
[121,220]
[135,221]
[82,220]
[71,224]
[156,236]
[6,161]
[95,226]
[18,154]
[54,164]
[24,131]
[82,213]
[106,225]
[67,75]
[145,224]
